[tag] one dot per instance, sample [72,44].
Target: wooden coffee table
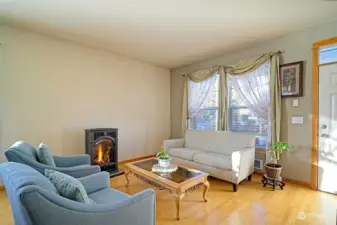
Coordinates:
[177,183]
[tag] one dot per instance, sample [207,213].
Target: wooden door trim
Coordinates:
[326,42]
[315,95]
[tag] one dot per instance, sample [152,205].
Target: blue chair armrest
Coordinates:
[79,171]
[69,161]
[96,182]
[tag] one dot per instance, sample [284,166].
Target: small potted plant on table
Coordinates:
[164,159]
[273,169]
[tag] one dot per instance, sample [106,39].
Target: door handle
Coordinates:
[324,126]
[325,135]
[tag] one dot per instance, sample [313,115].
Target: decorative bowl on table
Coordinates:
[164,162]
[166,175]
[168,169]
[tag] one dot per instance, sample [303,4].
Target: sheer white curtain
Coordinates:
[199,94]
[253,89]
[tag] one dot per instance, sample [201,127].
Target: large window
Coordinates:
[242,119]
[207,117]
[203,104]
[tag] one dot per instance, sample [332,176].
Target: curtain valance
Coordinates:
[203,74]
[248,65]
[235,68]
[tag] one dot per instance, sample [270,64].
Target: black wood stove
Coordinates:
[102,146]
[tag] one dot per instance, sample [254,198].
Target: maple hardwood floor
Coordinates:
[252,204]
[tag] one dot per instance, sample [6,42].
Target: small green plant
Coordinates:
[162,154]
[277,148]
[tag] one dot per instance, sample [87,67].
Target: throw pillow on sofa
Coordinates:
[44,155]
[68,187]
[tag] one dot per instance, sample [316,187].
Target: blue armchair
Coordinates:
[76,166]
[35,201]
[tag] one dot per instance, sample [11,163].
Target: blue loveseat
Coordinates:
[35,201]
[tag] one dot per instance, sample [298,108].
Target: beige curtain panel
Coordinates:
[239,68]
[223,101]
[275,98]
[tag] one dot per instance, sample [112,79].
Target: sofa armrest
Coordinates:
[243,163]
[173,143]
[69,161]
[96,182]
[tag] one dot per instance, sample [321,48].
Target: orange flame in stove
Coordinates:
[99,153]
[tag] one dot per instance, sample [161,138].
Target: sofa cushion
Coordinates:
[184,153]
[45,156]
[68,186]
[108,196]
[215,160]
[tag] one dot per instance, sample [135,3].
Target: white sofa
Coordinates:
[225,155]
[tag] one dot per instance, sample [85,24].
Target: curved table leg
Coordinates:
[127,172]
[179,198]
[206,187]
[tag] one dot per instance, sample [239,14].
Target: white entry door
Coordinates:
[327,130]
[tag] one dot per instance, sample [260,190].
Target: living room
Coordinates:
[133,67]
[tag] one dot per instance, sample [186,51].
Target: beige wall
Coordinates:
[51,90]
[297,47]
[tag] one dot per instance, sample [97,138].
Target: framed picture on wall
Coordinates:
[291,75]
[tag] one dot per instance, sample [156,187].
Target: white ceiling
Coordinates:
[169,33]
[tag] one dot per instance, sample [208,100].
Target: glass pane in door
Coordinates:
[328,54]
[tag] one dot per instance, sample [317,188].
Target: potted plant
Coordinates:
[164,159]
[273,169]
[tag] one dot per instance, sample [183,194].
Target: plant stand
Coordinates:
[273,182]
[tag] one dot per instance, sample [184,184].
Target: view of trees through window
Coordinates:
[240,118]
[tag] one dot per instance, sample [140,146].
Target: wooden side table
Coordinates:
[273,182]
